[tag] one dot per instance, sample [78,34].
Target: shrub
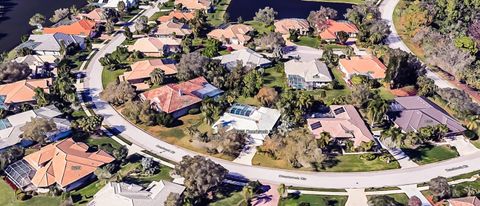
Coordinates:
[471,135]
[194,111]
[368,157]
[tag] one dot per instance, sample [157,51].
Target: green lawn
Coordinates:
[274,77]
[429,154]
[156,15]
[110,76]
[248,100]
[315,200]
[8,198]
[216,18]
[308,41]
[102,141]
[353,163]
[340,1]
[260,27]
[235,199]
[344,163]
[476,143]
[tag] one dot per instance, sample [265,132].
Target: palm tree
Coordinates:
[441,131]
[324,139]
[395,136]
[41,97]
[282,189]
[470,190]
[473,122]
[157,76]
[208,110]
[304,101]
[247,193]
[376,110]
[37,20]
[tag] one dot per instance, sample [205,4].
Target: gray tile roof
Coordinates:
[51,42]
[416,112]
[247,56]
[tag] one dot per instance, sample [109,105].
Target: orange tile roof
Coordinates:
[152,44]
[194,4]
[238,31]
[142,69]
[174,97]
[23,91]
[364,65]
[176,14]
[348,124]
[337,26]
[82,27]
[64,163]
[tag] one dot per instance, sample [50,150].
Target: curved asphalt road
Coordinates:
[449,168]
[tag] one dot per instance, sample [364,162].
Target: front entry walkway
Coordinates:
[412,190]
[464,147]
[248,152]
[356,197]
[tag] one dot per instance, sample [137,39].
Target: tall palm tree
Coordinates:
[395,136]
[376,110]
[473,122]
[282,189]
[157,76]
[41,97]
[247,193]
[304,101]
[324,139]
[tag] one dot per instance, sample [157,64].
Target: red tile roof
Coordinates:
[337,26]
[82,27]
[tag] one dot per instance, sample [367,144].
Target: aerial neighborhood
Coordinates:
[198,102]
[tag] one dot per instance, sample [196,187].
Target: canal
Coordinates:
[285,8]
[16,14]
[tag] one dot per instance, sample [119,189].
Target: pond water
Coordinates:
[14,16]
[285,8]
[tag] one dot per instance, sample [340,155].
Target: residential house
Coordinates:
[257,122]
[51,44]
[247,57]
[14,94]
[66,164]
[177,15]
[173,29]
[307,75]
[367,65]
[141,70]
[284,26]
[464,201]
[114,3]
[178,99]
[83,27]
[124,194]
[205,5]
[233,34]
[414,112]
[342,122]
[41,65]
[10,127]
[156,47]
[98,15]
[333,27]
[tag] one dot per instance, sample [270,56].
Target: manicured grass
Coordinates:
[156,15]
[429,154]
[8,198]
[275,77]
[248,100]
[260,27]
[216,18]
[79,113]
[308,41]
[476,143]
[385,93]
[235,199]
[315,200]
[317,189]
[353,163]
[345,163]
[332,93]
[111,76]
[84,195]
[340,1]
[102,141]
